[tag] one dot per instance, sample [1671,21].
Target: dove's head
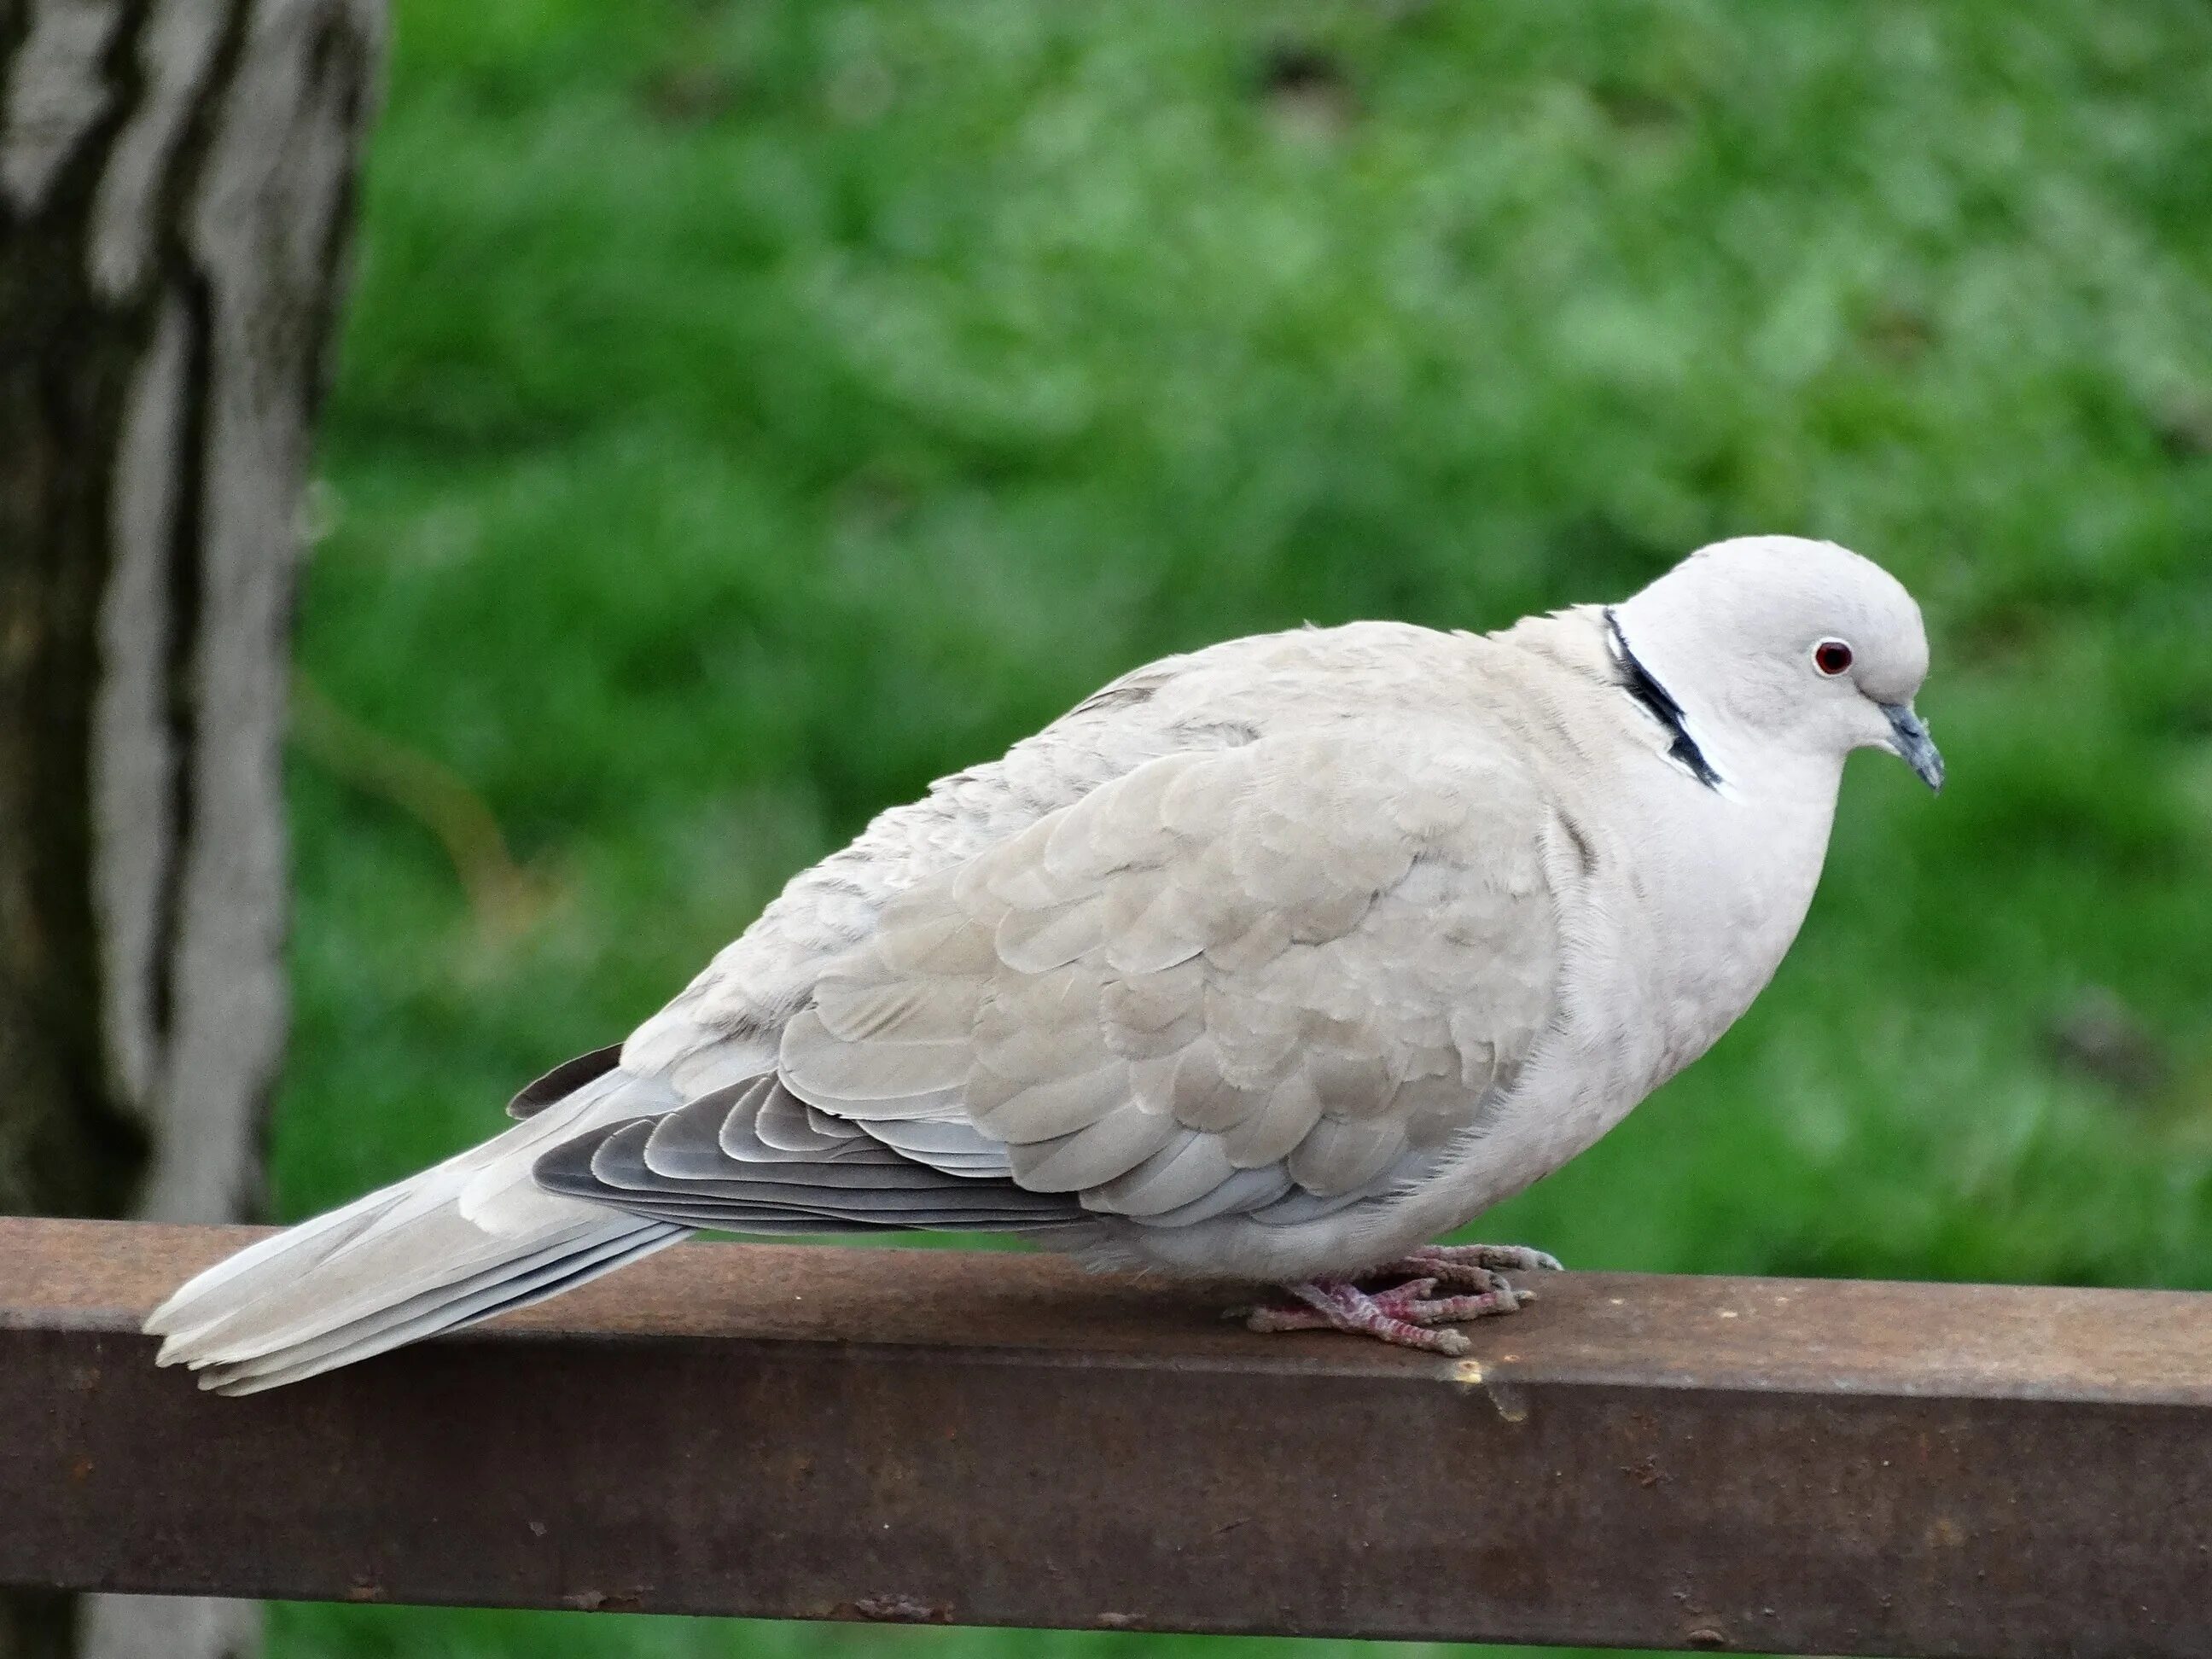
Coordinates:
[1773,641]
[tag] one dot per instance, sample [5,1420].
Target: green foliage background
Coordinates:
[753,408]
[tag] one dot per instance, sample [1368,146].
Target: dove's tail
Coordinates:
[471,1238]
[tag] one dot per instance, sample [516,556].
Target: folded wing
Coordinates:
[1267,980]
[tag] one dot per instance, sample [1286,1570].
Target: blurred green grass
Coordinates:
[749,412]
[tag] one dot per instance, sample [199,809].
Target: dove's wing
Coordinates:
[1269,980]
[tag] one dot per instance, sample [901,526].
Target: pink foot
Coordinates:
[1402,1313]
[1473,1265]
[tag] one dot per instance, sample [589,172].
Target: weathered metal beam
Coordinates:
[1777,1465]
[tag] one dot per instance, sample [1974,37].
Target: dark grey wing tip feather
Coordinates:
[612,1164]
[564,1080]
[567,1168]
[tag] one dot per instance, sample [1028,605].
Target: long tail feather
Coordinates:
[468,1238]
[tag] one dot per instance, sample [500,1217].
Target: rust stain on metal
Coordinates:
[1510,1399]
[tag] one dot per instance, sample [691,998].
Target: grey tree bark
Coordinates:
[176,193]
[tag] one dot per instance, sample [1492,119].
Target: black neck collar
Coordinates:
[1659,703]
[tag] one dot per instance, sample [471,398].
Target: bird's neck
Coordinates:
[1725,842]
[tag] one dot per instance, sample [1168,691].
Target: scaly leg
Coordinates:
[1403,1313]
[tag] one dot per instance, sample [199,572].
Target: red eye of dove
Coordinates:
[1831,657]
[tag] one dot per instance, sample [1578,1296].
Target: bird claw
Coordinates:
[1477,1266]
[1399,1316]
[1404,1314]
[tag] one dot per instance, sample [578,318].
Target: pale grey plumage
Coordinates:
[1274,959]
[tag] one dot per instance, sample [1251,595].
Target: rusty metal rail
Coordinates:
[1763,1464]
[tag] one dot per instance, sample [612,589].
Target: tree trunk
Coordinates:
[176,184]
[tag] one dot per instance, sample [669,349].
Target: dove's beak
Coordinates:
[1909,737]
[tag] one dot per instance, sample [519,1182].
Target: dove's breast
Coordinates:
[1672,916]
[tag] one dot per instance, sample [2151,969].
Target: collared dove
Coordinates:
[1270,962]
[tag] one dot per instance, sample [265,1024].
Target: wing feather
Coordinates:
[1271,969]
[1251,981]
